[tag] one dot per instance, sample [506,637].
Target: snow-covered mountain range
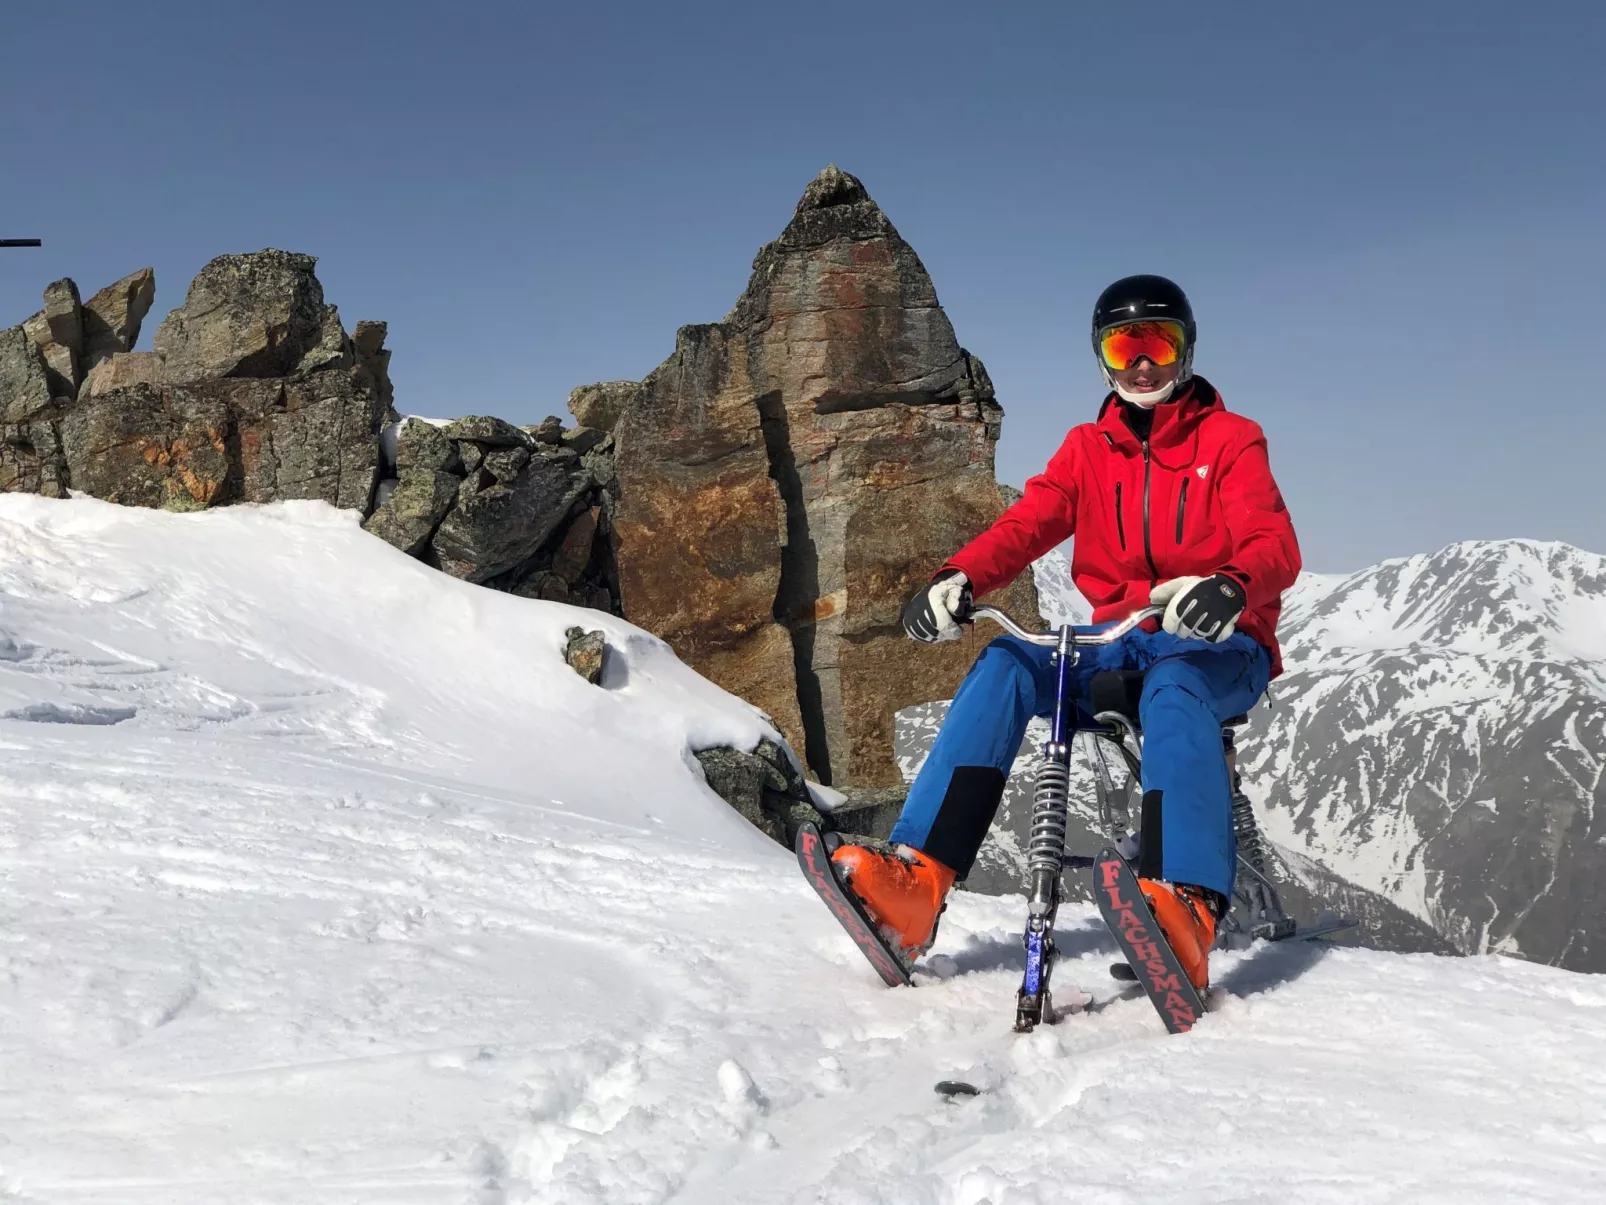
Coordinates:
[325,881]
[1439,738]
[1432,756]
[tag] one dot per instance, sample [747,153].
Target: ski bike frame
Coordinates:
[1045,851]
[1260,912]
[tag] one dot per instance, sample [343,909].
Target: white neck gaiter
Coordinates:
[1147,400]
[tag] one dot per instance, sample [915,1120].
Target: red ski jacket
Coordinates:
[1196,498]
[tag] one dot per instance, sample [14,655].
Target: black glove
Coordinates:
[933,614]
[1200,608]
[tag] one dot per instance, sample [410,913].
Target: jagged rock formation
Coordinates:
[789,475]
[773,492]
[45,362]
[769,791]
[253,393]
[600,406]
[523,509]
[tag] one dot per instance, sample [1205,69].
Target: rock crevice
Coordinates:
[797,594]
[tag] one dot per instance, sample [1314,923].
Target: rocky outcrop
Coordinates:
[44,361]
[368,344]
[59,328]
[506,509]
[586,653]
[73,336]
[768,790]
[789,475]
[112,318]
[518,509]
[256,316]
[765,500]
[120,370]
[30,446]
[253,394]
[764,786]
[600,406]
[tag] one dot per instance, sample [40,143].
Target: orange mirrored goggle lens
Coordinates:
[1123,346]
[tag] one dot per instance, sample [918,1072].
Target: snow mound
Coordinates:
[323,879]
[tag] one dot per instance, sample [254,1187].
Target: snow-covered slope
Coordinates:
[323,879]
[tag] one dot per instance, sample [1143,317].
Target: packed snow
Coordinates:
[323,879]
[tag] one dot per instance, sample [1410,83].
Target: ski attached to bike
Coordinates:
[1121,904]
[814,856]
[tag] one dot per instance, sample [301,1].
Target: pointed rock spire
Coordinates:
[789,475]
[832,187]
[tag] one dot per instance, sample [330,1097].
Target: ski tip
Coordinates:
[954,1088]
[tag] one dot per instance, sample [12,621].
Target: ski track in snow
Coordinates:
[322,879]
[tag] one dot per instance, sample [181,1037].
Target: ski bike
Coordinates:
[1113,698]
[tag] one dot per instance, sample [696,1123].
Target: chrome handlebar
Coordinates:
[1051,639]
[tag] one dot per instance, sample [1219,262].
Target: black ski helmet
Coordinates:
[1139,298]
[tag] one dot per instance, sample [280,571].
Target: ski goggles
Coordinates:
[1161,342]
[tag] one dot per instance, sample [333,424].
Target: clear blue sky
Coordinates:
[1389,215]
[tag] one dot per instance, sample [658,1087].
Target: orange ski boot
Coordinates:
[1185,916]
[902,891]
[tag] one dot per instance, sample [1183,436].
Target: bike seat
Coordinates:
[1120,689]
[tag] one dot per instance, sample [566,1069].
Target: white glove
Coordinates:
[1200,608]
[930,615]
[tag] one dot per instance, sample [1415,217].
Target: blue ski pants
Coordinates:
[1189,688]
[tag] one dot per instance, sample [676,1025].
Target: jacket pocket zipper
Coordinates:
[1120,525]
[1182,503]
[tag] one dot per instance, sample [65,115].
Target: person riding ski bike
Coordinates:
[1172,503]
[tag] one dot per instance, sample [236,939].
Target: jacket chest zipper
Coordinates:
[1182,507]
[1148,550]
[1120,523]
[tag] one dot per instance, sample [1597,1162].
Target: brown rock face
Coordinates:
[599,406]
[257,315]
[120,370]
[24,389]
[142,446]
[30,452]
[64,315]
[790,475]
[112,317]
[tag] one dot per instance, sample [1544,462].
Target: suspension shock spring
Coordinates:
[1247,831]
[1045,851]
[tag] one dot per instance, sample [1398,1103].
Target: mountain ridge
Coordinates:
[1438,739]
